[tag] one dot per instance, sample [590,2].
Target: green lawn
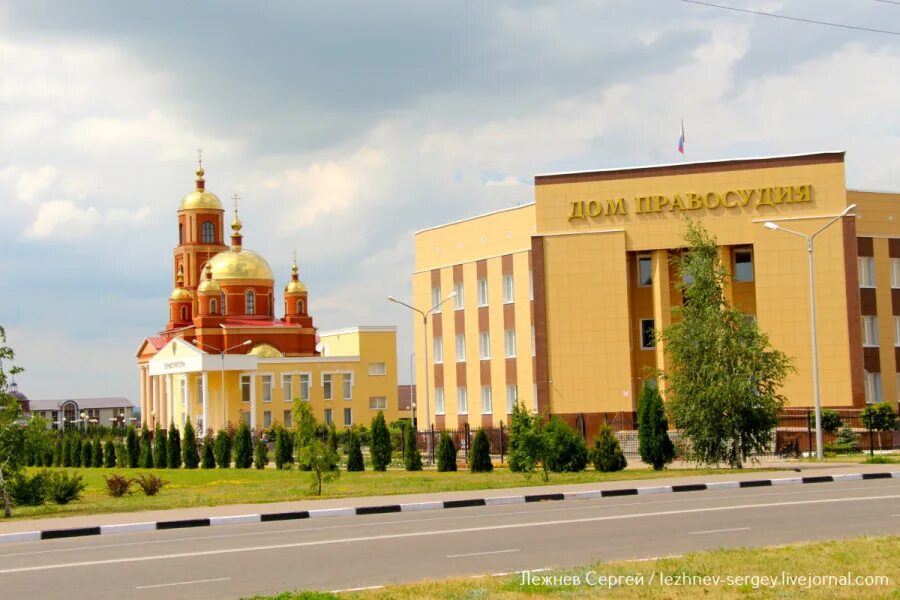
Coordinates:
[864,556]
[214,487]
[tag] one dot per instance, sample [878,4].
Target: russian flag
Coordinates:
[681,139]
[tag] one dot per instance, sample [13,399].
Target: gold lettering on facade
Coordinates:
[725,196]
[576,210]
[595,209]
[616,207]
[802,193]
[765,197]
[677,202]
[713,200]
[746,195]
[695,201]
[783,195]
[660,202]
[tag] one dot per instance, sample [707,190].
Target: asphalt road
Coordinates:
[361,551]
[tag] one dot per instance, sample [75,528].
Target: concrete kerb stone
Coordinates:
[29,536]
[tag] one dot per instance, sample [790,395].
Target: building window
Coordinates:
[509,289]
[304,386]
[213,308]
[251,302]
[199,389]
[380,402]
[377,368]
[207,232]
[531,285]
[895,272]
[460,348]
[438,350]
[347,384]
[328,419]
[482,292]
[299,307]
[533,342]
[645,271]
[245,388]
[183,389]
[184,311]
[438,400]
[287,388]
[436,299]
[873,387]
[487,405]
[509,342]
[348,417]
[462,401]
[743,264]
[267,418]
[288,418]
[866,271]
[458,299]
[869,330]
[245,417]
[267,388]
[224,305]
[180,233]
[512,397]
[484,345]
[648,334]
[326,386]
[897,331]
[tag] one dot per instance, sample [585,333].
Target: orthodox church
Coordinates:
[224,356]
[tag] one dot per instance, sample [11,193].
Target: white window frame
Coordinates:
[267,418]
[436,299]
[531,285]
[509,343]
[640,258]
[199,388]
[304,382]
[348,411]
[483,297]
[459,299]
[327,386]
[329,416]
[183,389]
[249,302]
[287,387]
[641,334]
[266,380]
[509,289]
[869,325]
[460,347]
[462,401]
[734,258]
[288,418]
[484,345]
[438,400]
[896,331]
[533,342]
[377,369]
[487,400]
[347,386]
[380,402]
[874,390]
[866,266]
[895,273]
[438,349]
[512,397]
[249,381]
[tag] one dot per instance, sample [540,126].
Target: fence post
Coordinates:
[809,433]
[501,442]
[466,439]
[872,442]
[431,433]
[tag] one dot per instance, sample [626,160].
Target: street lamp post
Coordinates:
[812,315]
[412,389]
[222,353]
[425,315]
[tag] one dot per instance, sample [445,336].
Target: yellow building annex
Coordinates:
[224,357]
[557,300]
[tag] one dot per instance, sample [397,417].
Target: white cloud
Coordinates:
[33,183]
[64,220]
[508,181]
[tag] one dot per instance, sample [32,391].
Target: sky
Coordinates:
[347,126]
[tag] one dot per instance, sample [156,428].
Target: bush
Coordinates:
[109,454]
[160,448]
[654,445]
[97,454]
[322,462]
[63,488]
[284,449]
[607,455]
[480,453]
[261,457]
[527,442]
[209,456]
[58,452]
[223,449]
[132,448]
[446,453]
[847,441]
[118,486]
[879,460]
[87,454]
[145,460]
[354,453]
[380,448]
[412,458]
[189,451]
[150,483]
[121,455]
[566,451]
[831,420]
[173,448]
[76,451]
[243,448]
[878,417]
[67,452]
[28,491]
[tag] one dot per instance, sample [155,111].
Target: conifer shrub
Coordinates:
[160,448]
[76,451]
[63,488]
[446,453]
[607,455]
[58,452]
[243,448]
[412,458]
[67,448]
[145,460]
[566,450]
[121,455]
[654,445]
[189,450]
[28,490]
[223,449]
[173,447]
[261,456]
[380,447]
[209,456]
[109,454]
[87,454]
[97,454]
[354,453]
[480,454]
[132,448]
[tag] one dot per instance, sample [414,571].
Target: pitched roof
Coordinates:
[114,402]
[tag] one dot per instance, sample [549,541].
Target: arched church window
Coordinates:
[184,313]
[224,307]
[207,232]
[180,233]
[213,307]
[251,302]
[299,307]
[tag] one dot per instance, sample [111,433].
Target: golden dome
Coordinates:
[240,263]
[295,286]
[209,285]
[200,198]
[180,295]
[266,351]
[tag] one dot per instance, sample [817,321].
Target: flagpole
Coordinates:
[683,156]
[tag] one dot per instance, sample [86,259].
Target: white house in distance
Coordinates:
[85,412]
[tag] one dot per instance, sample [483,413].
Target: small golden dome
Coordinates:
[240,263]
[200,199]
[180,294]
[266,351]
[209,285]
[295,286]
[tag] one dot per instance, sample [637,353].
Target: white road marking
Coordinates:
[358,589]
[719,530]
[372,538]
[161,585]
[649,558]
[483,553]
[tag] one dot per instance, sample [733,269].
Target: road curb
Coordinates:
[50,534]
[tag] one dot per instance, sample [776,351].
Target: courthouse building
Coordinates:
[556,301]
[224,356]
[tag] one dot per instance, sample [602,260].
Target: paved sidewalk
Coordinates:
[767,471]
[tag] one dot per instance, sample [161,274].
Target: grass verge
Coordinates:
[214,487]
[859,557]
